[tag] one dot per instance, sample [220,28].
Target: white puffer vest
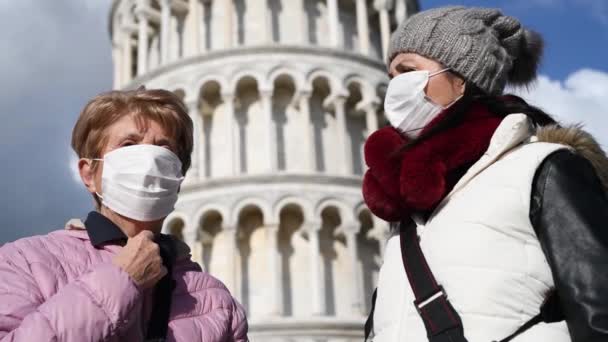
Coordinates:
[482,248]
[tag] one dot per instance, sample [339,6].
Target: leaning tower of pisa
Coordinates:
[282,94]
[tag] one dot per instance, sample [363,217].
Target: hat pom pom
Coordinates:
[527,60]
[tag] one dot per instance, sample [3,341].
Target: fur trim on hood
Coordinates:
[582,142]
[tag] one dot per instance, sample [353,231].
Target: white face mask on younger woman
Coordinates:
[141,182]
[406,105]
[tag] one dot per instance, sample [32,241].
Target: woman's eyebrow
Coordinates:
[401,68]
[130,136]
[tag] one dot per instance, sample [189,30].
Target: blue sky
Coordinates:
[58,56]
[575,31]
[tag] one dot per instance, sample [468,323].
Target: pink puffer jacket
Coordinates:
[58,287]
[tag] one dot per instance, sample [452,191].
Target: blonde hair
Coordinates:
[161,106]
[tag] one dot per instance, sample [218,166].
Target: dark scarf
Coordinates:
[402,181]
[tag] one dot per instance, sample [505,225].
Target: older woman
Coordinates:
[116,278]
[502,212]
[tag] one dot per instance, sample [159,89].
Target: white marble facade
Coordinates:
[282,94]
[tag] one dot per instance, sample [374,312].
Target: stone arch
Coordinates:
[203,81]
[282,70]
[365,88]
[248,202]
[304,205]
[318,73]
[224,212]
[176,224]
[345,214]
[180,91]
[245,75]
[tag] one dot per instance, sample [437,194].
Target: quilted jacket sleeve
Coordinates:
[90,308]
[239,324]
[569,212]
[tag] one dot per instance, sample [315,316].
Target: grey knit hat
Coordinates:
[486,47]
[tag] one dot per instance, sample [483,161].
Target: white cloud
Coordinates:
[581,98]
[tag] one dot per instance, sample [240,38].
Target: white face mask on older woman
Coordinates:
[406,105]
[141,182]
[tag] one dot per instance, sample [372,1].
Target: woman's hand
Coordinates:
[141,260]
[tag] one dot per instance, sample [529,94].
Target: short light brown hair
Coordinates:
[161,106]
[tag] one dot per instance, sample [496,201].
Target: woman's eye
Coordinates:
[167,146]
[127,143]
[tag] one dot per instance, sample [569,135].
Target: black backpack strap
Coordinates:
[442,322]
[158,325]
[369,323]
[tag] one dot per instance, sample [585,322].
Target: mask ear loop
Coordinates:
[456,99]
[439,72]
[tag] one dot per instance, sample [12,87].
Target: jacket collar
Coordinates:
[75,227]
[102,230]
[513,130]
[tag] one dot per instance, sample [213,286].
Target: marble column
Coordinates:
[381,232]
[142,35]
[274,267]
[383,7]
[232,250]
[117,57]
[194,112]
[232,132]
[317,285]
[385,31]
[228,23]
[190,235]
[362,27]
[351,231]
[267,23]
[400,10]
[303,22]
[165,37]
[334,20]
[337,102]
[370,108]
[194,30]
[309,139]
[127,56]
[271,140]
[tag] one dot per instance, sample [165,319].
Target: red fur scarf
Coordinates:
[400,183]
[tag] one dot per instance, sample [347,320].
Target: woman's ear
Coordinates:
[87,174]
[462,85]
